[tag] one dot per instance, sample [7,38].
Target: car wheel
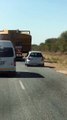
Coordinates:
[42,65]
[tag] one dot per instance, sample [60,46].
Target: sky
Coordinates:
[44,18]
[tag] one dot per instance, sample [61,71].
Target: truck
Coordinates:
[21,40]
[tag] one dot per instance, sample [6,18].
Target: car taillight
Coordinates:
[42,59]
[29,58]
[14,63]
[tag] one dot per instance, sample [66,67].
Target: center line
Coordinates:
[22,86]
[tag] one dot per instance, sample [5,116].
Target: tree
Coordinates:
[42,47]
[35,47]
[51,44]
[63,42]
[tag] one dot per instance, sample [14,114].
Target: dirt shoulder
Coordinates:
[58,67]
[57,61]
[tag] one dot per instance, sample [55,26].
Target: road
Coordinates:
[35,93]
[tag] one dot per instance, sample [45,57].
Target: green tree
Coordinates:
[35,47]
[42,47]
[63,42]
[51,44]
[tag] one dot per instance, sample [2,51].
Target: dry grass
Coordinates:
[57,60]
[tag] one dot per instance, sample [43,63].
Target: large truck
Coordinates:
[21,40]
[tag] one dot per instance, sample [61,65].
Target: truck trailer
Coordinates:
[21,40]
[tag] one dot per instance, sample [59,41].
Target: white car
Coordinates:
[7,57]
[34,58]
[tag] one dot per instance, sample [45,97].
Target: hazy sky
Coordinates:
[44,18]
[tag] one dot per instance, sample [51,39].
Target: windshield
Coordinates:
[36,55]
[6,52]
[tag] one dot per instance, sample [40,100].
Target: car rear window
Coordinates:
[36,55]
[6,52]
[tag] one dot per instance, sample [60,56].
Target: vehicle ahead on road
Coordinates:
[34,58]
[7,57]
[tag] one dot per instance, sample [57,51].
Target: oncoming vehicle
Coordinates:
[34,58]
[7,57]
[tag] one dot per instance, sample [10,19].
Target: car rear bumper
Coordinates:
[34,64]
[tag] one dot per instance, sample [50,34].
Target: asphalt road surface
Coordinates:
[35,93]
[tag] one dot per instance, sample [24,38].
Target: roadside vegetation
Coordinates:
[55,51]
[56,60]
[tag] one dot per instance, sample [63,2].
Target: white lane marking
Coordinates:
[21,84]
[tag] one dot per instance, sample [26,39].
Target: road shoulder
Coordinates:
[57,67]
